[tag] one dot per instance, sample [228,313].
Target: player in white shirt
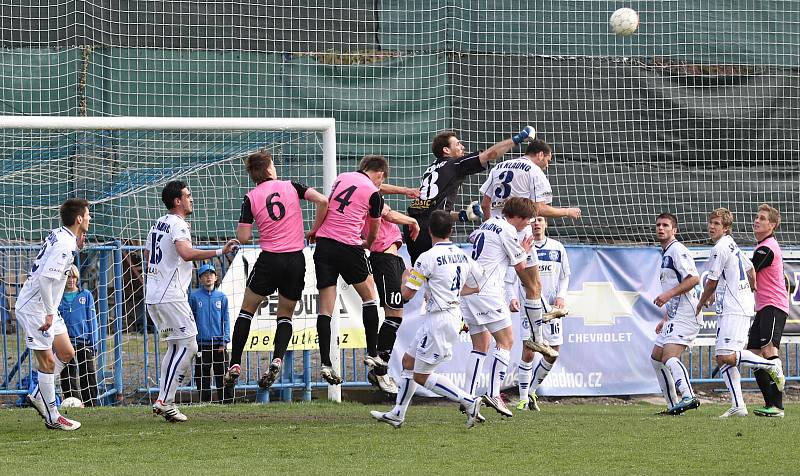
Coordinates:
[554,272]
[36,309]
[732,277]
[523,177]
[679,327]
[168,258]
[496,247]
[449,274]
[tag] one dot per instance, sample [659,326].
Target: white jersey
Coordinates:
[168,275]
[446,269]
[553,269]
[516,178]
[728,266]
[677,265]
[495,247]
[53,261]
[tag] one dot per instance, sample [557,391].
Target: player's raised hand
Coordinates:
[574,213]
[48,321]
[525,133]
[662,299]
[232,246]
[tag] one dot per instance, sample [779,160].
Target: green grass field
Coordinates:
[322,437]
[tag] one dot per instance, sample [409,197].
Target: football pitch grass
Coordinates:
[342,439]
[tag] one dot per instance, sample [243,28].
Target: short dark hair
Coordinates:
[440,224]
[374,163]
[519,207]
[670,217]
[71,209]
[257,164]
[172,190]
[441,141]
[538,145]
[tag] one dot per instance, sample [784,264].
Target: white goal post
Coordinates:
[326,127]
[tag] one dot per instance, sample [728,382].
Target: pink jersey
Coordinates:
[275,207]
[388,234]
[770,286]
[353,198]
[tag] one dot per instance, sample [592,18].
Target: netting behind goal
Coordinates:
[122,172]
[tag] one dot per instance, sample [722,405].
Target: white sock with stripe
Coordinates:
[406,386]
[498,370]
[681,376]
[174,367]
[474,369]
[733,380]
[443,386]
[524,379]
[47,387]
[665,382]
[540,372]
[745,357]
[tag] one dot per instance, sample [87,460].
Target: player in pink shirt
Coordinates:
[772,306]
[387,271]
[274,206]
[355,199]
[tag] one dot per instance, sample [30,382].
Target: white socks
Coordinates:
[680,376]
[177,361]
[665,382]
[499,368]
[745,357]
[524,378]
[443,386]
[733,380]
[406,386]
[47,387]
[533,311]
[540,370]
[474,368]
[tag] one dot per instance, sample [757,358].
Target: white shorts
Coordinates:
[732,333]
[678,331]
[36,339]
[433,343]
[174,320]
[551,330]
[485,313]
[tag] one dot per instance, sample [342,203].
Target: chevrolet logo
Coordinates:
[599,304]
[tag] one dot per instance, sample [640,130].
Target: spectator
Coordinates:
[210,309]
[79,376]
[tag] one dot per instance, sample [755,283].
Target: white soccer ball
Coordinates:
[624,21]
[72,402]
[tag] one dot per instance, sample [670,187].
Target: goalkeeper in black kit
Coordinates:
[442,179]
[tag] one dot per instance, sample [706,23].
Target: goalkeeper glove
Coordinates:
[471,213]
[523,134]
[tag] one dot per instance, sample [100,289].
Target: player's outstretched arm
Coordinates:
[389,189]
[321,202]
[548,211]
[187,253]
[496,151]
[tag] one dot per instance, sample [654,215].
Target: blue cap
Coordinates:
[206,268]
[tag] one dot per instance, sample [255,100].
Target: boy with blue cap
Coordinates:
[210,309]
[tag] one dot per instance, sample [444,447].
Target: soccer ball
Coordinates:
[72,402]
[624,21]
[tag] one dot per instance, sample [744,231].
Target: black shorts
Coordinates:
[387,269]
[282,272]
[423,242]
[767,327]
[333,259]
